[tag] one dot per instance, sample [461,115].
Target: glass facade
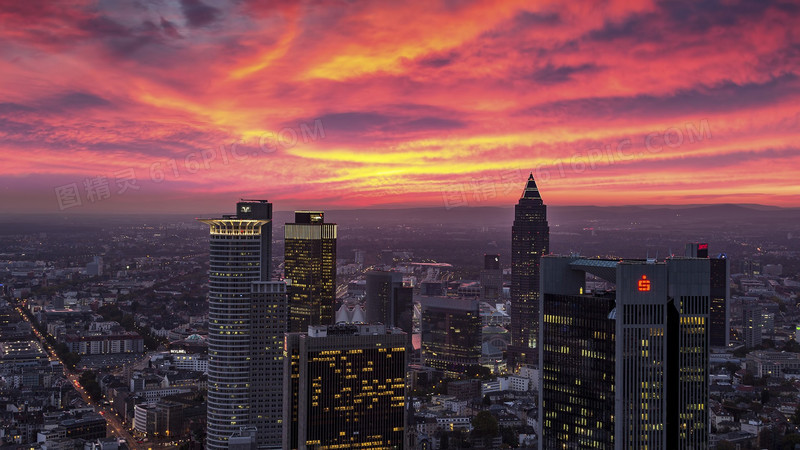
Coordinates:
[578,351]
[625,369]
[451,334]
[719,329]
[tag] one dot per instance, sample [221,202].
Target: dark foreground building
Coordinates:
[345,388]
[626,368]
[720,326]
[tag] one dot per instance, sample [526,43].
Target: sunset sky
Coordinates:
[183,106]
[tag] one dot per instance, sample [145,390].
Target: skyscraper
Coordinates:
[247,320]
[530,239]
[269,314]
[310,264]
[625,368]
[451,334]
[491,279]
[720,326]
[346,389]
[388,302]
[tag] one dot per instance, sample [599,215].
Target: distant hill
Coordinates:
[485,216]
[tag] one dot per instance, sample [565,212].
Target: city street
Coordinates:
[115,426]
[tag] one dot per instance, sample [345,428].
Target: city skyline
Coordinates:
[378,105]
[457,224]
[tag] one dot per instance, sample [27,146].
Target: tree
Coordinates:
[484,425]
[70,360]
[127,322]
[725,445]
[732,367]
[792,346]
[790,441]
[767,438]
[765,396]
[487,401]
[510,437]
[88,380]
[444,441]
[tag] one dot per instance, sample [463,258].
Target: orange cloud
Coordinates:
[377,104]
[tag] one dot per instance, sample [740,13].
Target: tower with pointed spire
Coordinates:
[530,240]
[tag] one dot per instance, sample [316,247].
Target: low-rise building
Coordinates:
[766,363]
[102,343]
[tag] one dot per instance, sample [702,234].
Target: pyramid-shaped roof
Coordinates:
[531,191]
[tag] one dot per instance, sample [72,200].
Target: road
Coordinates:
[114,424]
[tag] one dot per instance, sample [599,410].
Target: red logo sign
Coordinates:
[644,284]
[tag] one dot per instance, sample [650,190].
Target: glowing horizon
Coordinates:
[196,103]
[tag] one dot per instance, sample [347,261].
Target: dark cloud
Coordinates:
[198,14]
[12,128]
[721,99]
[633,27]
[169,28]
[689,17]
[75,101]
[426,124]
[700,16]
[365,123]
[8,108]
[437,61]
[147,37]
[689,161]
[55,104]
[80,25]
[351,121]
[553,75]
[102,26]
[529,19]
